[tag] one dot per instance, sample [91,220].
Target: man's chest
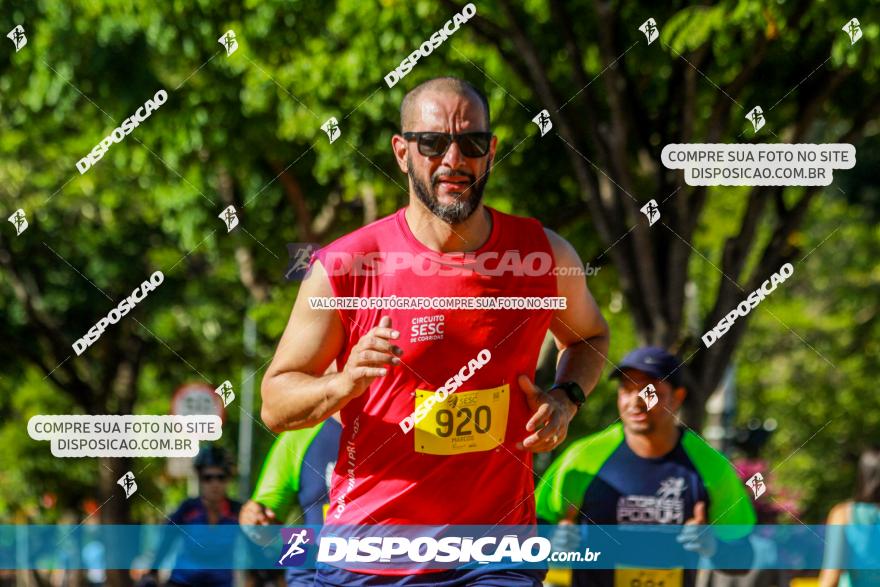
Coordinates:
[657,494]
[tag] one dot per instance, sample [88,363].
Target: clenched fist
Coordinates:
[369,358]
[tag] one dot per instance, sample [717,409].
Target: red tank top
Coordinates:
[461,466]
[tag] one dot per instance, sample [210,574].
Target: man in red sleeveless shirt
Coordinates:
[439,409]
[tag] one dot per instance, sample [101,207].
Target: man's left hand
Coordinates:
[551,413]
[696,536]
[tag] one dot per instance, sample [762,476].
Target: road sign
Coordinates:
[192,399]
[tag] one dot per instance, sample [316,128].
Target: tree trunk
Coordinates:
[116,509]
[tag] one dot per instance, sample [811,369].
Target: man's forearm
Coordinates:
[292,401]
[583,362]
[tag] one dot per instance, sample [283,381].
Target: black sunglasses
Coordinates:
[435,144]
[208,478]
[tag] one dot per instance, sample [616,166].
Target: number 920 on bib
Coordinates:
[467,421]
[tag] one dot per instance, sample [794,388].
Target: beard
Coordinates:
[463,206]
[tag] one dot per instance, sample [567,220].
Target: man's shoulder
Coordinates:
[529,234]
[364,239]
[592,451]
[729,505]
[563,251]
[706,458]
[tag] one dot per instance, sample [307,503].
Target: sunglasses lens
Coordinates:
[433,144]
[474,145]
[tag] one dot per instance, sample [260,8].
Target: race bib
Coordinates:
[467,421]
[626,577]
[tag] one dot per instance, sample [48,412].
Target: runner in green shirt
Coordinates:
[299,468]
[648,470]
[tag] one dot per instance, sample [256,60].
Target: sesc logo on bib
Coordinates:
[466,421]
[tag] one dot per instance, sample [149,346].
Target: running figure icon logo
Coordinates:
[649,394]
[128,484]
[756,482]
[854,30]
[756,117]
[331,127]
[649,27]
[229,217]
[225,392]
[229,42]
[19,221]
[671,488]
[17,37]
[651,211]
[299,254]
[293,554]
[543,121]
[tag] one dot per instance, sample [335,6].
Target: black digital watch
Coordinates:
[572,391]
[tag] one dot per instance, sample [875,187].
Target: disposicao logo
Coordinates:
[296,544]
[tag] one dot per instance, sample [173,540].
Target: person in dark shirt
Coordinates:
[646,469]
[211,507]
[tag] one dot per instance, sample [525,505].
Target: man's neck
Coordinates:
[654,444]
[439,236]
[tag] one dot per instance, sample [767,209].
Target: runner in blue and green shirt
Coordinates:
[297,469]
[646,469]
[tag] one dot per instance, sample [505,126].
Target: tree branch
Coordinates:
[585,95]
[79,384]
[641,248]
[496,35]
[247,271]
[294,194]
[777,252]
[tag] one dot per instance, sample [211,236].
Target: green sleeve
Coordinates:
[564,484]
[730,507]
[279,480]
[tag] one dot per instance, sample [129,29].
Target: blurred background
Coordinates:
[790,391]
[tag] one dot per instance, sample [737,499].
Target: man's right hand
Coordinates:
[369,358]
[255,514]
[296,393]
[566,536]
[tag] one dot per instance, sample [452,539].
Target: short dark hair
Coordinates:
[868,477]
[212,456]
[441,84]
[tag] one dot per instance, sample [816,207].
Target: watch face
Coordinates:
[574,392]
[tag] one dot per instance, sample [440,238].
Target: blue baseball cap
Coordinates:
[654,361]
